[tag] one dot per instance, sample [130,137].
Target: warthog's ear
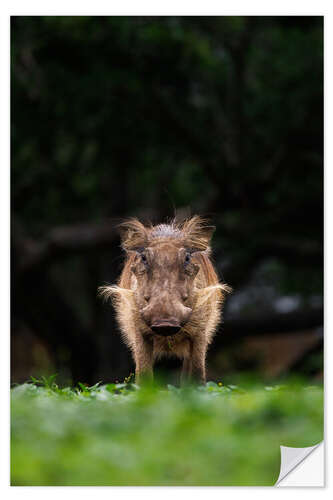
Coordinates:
[197,233]
[134,235]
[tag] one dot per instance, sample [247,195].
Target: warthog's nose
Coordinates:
[166,327]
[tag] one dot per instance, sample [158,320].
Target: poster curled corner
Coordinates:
[291,458]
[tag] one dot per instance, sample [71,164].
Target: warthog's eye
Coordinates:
[187,258]
[144,258]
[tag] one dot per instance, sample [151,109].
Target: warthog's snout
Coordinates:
[166,327]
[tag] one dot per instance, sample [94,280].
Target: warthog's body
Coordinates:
[168,299]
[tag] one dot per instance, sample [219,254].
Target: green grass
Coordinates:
[120,434]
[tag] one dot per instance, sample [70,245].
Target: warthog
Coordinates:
[168,299]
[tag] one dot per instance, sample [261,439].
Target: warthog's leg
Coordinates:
[194,364]
[186,372]
[198,361]
[143,357]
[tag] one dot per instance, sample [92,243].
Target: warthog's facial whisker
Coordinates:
[203,294]
[108,292]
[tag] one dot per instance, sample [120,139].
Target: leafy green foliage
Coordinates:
[123,434]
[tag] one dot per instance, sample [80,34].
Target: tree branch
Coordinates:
[294,322]
[61,241]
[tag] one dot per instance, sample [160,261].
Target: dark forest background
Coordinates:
[144,116]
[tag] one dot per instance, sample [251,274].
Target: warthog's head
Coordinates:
[161,271]
[164,265]
[164,275]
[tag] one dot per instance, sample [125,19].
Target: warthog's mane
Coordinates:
[195,233]
[166,231]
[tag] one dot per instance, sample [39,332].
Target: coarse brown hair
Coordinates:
[196,317]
